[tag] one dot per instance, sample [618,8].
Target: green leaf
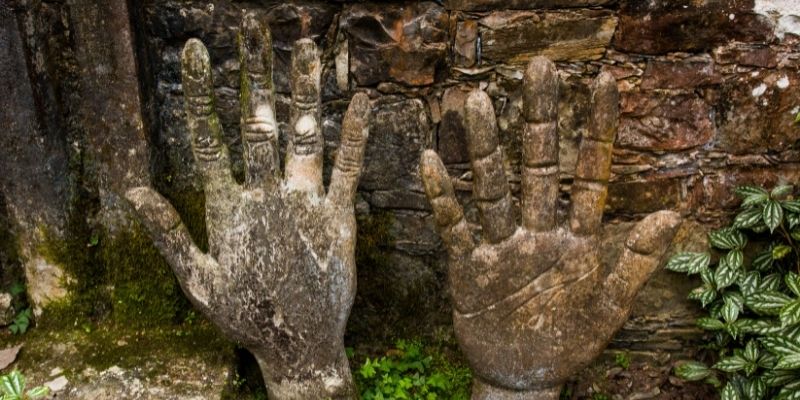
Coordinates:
[790,314]
[791,205]
[758,326]
[730,311]
[755,389]
[691,263]
[734,259]
[794,220]
[710,324]
[751,351]
[763,261]
[780,251]
[781,190]
[775,378]
[729,393]
[791,361]
[771,282]
[792,281]
[38,392]
[731,364]
[734,297]
[750,282]
[727,239]
[781,345]
[692,371]
[725,275]
[748,218]
[767,302]
[752,195]
[772,214]
[705,294]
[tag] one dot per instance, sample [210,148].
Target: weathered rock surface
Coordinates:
[6,310]
[758,112]
[185,379]
[34,164]
[661,121]
[405,45]
[662,26]
[482,5]
[515,37]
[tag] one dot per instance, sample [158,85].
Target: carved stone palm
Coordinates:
[535,303]
[279,277]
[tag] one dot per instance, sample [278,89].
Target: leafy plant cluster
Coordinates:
[752,297]
[412,372]
[24,316]
[12,387]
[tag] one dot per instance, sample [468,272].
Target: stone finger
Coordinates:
[644,248]
[350,157]
[540,145]
[590,188]
[193,268]
[210,154]
[490,186]
[447,212]
[257,99]
[304,156]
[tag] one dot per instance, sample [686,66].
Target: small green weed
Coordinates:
[12,387]
[21,322]
[412,372]
[622,359]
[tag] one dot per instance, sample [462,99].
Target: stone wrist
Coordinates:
[485,391]
[333,381]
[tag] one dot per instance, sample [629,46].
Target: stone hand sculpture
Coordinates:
[535,303]
[279,276]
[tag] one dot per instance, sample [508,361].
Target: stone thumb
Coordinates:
[644,248]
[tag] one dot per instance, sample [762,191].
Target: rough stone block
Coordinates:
[663,121]
[399,131]
[514,37]
[757,111]
[484,5]
[399,43]
[662,26]
[680,74]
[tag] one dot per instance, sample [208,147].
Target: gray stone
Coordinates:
[527,296]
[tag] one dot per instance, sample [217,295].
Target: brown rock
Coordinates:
[661,121]
[747,55]
[661,26]
[515,37]
[679,74]
[756,113]
[405,44]
[644,196]
[483,5]
[466,43]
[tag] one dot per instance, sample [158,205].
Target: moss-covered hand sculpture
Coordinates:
[534,303]
[279,276]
